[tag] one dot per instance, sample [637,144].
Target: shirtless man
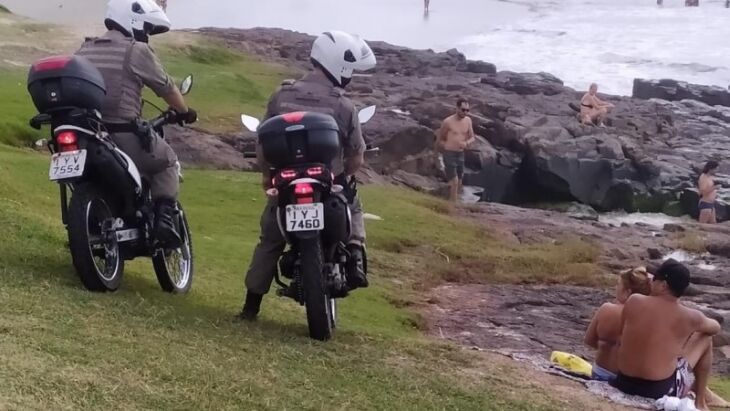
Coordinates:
[708,193]
[664,343]
[455,134]
[593,110]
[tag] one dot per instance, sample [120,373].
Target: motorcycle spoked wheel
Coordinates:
[321,309]
[175,268]
[94,248]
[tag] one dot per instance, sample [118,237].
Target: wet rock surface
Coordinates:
[532,146]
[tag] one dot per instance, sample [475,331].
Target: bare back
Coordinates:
[608,331]
[654,333]
[707,188]
[455,133]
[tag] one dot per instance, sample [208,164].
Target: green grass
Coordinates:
[17,109]
[721,386]
[227,83]
[4,9]
[64,348]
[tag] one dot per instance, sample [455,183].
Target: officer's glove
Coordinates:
[190,117]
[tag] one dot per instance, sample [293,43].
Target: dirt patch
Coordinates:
[531,320]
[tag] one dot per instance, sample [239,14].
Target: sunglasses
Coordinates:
[465,110]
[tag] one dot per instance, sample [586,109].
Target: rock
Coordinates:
[416,182]
[582,212]
[674,228]
[647,159]
[526,83]
[721,249]
[654,254]
[673,90]
[479,67]
[194,147]
[721,340]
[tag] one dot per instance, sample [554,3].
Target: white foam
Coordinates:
[611,42]
[656,220]
[680,255]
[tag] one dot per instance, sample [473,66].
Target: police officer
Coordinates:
[335,55]
[127,64]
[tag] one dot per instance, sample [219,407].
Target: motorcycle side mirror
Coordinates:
[251,123]
[186,85]
[366,114]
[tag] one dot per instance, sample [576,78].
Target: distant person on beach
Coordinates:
[691,3]
[593,110]
[454,136]
[665,347]
[426,5]
[604,331]
[708,193]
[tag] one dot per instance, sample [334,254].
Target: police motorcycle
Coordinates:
[313,213]
[110,214]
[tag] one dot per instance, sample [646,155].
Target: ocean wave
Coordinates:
[613,42]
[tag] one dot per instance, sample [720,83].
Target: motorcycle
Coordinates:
[312,213]
[110,215]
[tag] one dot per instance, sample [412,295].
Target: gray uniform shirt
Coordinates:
[315,92]
[127,66]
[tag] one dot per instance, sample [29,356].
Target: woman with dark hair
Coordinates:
[708,193]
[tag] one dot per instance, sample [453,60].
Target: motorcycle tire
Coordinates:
[95,252]
[320,317]
[174,268]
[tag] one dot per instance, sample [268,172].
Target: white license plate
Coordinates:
[304,217]
[69,164]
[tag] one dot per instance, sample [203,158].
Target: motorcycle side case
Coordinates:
[337,220]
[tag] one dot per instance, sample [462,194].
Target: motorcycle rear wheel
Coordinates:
[94,248]
[174,268]
[320,315]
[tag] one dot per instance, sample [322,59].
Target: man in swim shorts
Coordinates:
[708,193]
[454,136]
[666,348]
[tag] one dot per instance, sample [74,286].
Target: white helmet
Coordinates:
[339,54]
[138,18]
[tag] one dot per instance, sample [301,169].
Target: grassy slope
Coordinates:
[62,347]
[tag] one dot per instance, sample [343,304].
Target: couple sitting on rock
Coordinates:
[649,344]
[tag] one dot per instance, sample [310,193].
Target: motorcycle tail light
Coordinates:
[304,193]
[287,174]
[315,171]
[67,141]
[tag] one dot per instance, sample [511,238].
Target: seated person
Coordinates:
[605,330]
[593,110]
[664,343]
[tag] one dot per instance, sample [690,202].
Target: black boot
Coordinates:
[251,307]
[356,276]
[165,231]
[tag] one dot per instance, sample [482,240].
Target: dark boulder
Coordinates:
[672,90]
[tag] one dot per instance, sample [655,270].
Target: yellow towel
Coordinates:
[572,363]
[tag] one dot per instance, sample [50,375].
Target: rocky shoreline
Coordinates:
[531,147]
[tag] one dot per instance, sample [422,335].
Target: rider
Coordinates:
[127,64]
[335,55]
